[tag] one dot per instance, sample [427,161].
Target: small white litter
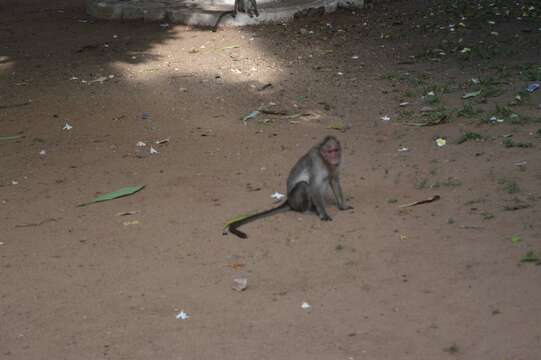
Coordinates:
[182,315]
[277,196]
[240,284]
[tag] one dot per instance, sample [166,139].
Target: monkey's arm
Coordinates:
[337,191]
[317,194]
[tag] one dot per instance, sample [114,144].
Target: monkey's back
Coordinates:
[306,169]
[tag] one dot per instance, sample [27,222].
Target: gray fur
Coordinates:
[307,183]
[319,175]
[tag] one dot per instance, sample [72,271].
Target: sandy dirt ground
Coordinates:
[454,278]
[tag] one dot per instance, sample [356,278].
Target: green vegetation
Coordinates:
[430,99]
[450,182]
[531,72]
[509,143]
[422,184]
[509,186]
[531,257]
[408,94]
[469,136]
[487,215]
[439,116]
[468,111]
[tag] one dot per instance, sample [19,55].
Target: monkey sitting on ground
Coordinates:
[307,183]
[245,6]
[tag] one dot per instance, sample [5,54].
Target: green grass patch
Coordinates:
[440,115]
[487,216]
[468,111]
[450,182]
[490,88]
[531,72]
[509,143]
[515,239]
[503,112]
[421,184]
[406,115]
[531,257]
[431,99]
[408,94]
[503,72]
[468,136]
[509,186]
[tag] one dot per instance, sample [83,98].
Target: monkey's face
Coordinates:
[331,153]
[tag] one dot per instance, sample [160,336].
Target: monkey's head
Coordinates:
[331,150]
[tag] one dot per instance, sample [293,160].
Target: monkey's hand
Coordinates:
[325,218]
[346,207]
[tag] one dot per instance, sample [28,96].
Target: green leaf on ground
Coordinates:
[13,137]
[471,94]
[125,191]
[337,125]
[237,218]
[251,115]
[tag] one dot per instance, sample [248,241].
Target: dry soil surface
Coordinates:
[454,278]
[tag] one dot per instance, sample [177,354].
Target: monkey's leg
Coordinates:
[299,197]
[253,11]
[240,6]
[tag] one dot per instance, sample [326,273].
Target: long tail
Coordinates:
[233,227]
